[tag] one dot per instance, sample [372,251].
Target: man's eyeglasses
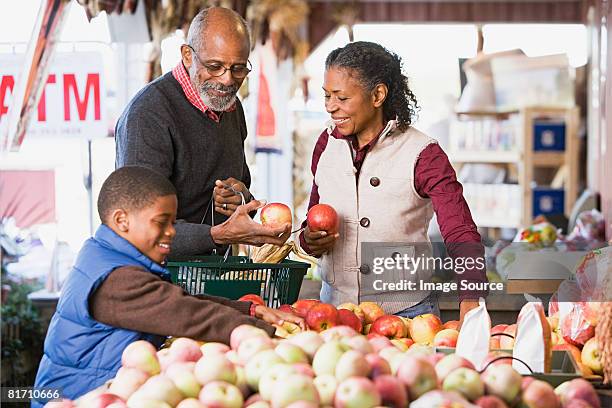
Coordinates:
[238,71]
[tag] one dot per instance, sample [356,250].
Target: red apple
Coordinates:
[141,355]
[406,341]
[450,363]
[127,381]
[219,394]
[355,309]
[451,324]
[446,338]
[494,342]
[502,380]
[389,326]
[322,217]
[275,215]
[573,350]
[494,355]
[577,389]
[322,316]
[465,381]
[379,365]
[423,328]
[356,392]
[591,356]
[287,308]
[392,391]
[338,333]
[371,311]
[185,349]
[539,394]
[350,319]
[379,342]
[308,341]
[417,375]
[105,400]
[302,306]
[435,358]
[490,401]
[256,299]
[65,403]
[190,403]
[243,332]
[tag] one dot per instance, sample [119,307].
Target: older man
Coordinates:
[189,125]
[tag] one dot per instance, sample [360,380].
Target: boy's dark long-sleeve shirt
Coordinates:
[133,298]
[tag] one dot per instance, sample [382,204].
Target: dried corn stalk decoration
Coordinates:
[270,253]
[604,339]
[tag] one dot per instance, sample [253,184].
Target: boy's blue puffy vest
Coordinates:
[81,353]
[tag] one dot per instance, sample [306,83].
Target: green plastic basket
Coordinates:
[277,283]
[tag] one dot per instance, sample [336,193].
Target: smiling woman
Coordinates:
[368,158]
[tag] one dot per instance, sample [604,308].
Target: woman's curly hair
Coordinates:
[374,65]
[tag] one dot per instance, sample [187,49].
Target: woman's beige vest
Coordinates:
[382,207]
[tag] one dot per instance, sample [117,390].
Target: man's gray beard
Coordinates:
[216,103]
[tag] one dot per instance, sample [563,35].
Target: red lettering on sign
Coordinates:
[93,84]
[42,104]
[6,85]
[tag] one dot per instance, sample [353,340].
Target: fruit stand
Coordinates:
[352,356]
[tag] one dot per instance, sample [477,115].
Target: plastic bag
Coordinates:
[473,341]
[532,344]
[577,321]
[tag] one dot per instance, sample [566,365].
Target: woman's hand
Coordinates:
[277,318]
[319,242]
[226,195]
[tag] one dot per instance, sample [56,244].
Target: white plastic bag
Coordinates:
[473,341]
[532,344]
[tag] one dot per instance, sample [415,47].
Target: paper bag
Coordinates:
[532,343]
[473,341]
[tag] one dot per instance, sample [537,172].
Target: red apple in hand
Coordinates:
[389,326]
[275,215]
[322,316]
[322,217]
[287,309]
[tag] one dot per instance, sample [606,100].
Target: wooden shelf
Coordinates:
[484,156]
[528,162]
[548,159]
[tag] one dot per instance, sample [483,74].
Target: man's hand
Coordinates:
[319,242]
[465,306]
[239,228]
[276,317]
[227,199]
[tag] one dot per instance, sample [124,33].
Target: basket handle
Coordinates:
[506,358]
[212,218]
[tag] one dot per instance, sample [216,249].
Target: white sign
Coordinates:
[73,100]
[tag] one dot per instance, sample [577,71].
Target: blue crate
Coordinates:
[548,201]
[548,136]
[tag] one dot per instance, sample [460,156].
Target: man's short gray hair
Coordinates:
[199,25]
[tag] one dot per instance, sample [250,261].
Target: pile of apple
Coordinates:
[581,344]
[337,367]
[370,319]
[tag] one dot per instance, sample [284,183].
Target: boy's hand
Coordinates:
[240,228]
[319,242]
[226,195]
[276,317]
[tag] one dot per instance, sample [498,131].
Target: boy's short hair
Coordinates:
[132,188]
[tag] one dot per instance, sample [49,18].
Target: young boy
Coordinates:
[118,291]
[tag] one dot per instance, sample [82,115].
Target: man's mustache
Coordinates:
[208,86]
